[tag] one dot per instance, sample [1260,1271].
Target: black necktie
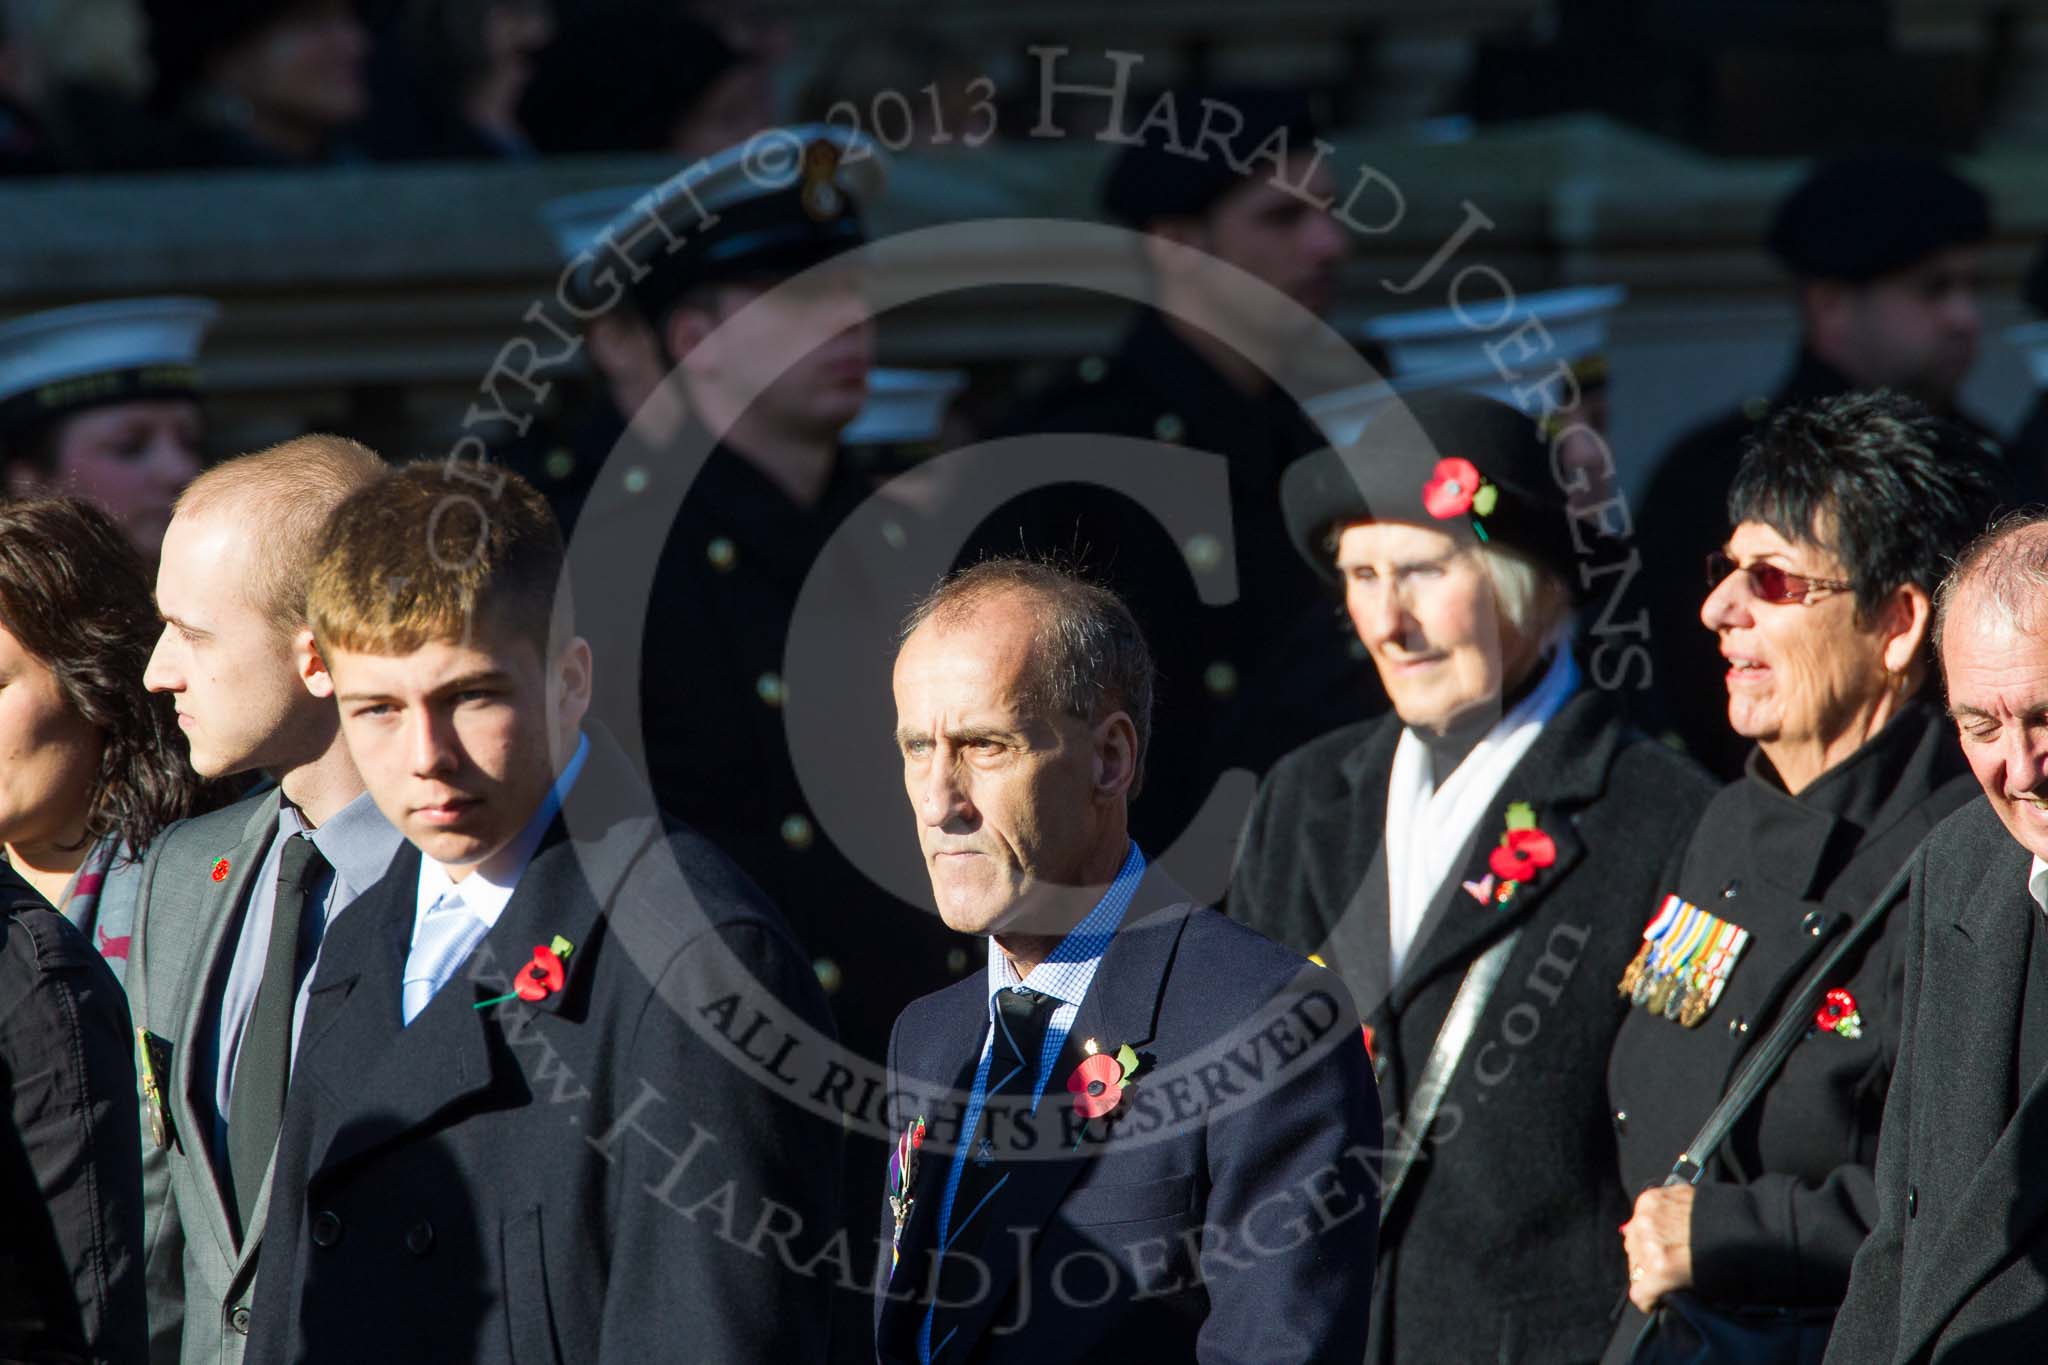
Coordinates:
[1021,1019]
[263,1064]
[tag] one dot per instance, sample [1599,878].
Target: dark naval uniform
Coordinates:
[710,696]
[1239,685]
[1780,1214]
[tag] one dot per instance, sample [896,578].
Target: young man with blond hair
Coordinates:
[233,905]
[520,1122]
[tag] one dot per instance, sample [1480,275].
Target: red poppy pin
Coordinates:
[1456,488]
[1098,1082]
[220,869]
[1523,851]
[538,979]
[1838,1014]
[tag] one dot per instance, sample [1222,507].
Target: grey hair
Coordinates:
[1530,597]
[1090,659]
[2009,563]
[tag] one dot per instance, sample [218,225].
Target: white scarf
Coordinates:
[1429,827]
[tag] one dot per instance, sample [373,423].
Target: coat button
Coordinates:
[797,833]
[419,1238]
[1220,678]
[1813,922]
[1621,1121]
[1169,427]
[1912,1201]
[326,1228]
[239,1320]
[1204,551]
[722,554]
[830,978]
[768,687]
[561,463]
[1737,1026]
[635,480]
[1732,890]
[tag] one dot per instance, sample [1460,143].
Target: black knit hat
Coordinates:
[1457,462]
[184,35]
[1151,180]
[1862,217]
[621,82]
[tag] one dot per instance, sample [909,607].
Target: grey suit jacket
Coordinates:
[199,1277]
[1957,1267]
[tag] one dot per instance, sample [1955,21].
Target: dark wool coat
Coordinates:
[574,1179]
[1502,1244]
[1778,1217]
[1956,1269]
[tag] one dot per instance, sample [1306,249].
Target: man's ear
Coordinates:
[684,329]
[1116,756]
[310,665]
[571,689]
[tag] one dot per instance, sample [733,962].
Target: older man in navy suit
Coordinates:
[1146,1133]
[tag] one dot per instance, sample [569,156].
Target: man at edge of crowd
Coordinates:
[1952,1270]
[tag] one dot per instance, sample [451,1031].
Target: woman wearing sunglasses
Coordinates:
[1847,513]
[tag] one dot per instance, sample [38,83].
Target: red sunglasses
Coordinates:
[1768,581]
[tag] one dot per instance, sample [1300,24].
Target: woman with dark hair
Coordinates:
[90,767]
[1846,514]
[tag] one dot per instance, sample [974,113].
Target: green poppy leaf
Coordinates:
[1485,499]
[1521,815]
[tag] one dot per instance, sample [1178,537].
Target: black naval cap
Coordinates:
[621,81]
[781,202]
[1862,217]
[1455,461]
[184,35]
[1151,180]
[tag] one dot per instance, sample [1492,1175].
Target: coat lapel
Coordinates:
[1565,770]
[1353,887]
[221,907]
[1970,1123]
[1122,1006]
[395,1078]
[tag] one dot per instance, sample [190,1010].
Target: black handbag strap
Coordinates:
[1777,1045]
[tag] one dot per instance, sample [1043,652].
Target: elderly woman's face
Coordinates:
[1799,673]
[1424,607]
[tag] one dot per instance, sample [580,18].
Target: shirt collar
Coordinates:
[490,884]
[1069,968]
[2037,882]
[357,841]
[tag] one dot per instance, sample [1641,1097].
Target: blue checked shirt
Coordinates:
[1065,975]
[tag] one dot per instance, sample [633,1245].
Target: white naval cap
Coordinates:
[120,350]
[1445,348]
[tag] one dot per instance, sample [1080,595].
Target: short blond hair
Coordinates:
[284,495]
[425,554]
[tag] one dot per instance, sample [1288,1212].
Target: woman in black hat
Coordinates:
[1474,866]
[1847,512]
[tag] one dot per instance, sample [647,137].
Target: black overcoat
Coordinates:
[574,1179]
[1777,1219]
[1956,1269]
[1502,1244]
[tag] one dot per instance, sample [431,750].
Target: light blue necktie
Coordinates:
[446,936]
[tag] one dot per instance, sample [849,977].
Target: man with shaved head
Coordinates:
[233,904]
[1957,1267]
